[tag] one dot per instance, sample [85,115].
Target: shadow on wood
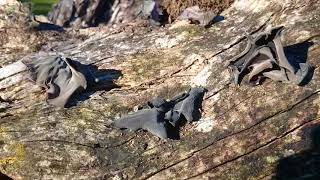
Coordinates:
[49,27]
[298,53]
[4,177]
[100,79]
[304,165]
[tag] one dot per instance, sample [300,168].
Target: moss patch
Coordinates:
[169,92]
[147,65]
[18,155]
[116,108]
[40,6]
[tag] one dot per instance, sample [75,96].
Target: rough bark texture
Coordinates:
[244,132]
[82,13]
[176,7]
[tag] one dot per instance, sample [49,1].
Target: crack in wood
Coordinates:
[237,41]
[234,106]
[6,115]
[94,146]
[16,131]
[168,75]
[255,149]
[208,96]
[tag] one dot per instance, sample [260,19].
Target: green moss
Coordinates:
[147,65]
[114,109]
[10,10]
[18,155]
[87,113]
[189,30]
[272,159]
[292,139]
[40,6]
[168,92]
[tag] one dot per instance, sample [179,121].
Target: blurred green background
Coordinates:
[40,6]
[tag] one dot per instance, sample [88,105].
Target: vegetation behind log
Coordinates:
[175,7]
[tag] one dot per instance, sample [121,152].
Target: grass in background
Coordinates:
[40,6]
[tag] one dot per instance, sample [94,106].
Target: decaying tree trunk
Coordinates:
[245,132]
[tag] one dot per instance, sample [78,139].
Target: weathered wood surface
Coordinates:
[244,131]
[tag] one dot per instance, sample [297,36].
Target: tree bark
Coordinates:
[84,13]
[81,13]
